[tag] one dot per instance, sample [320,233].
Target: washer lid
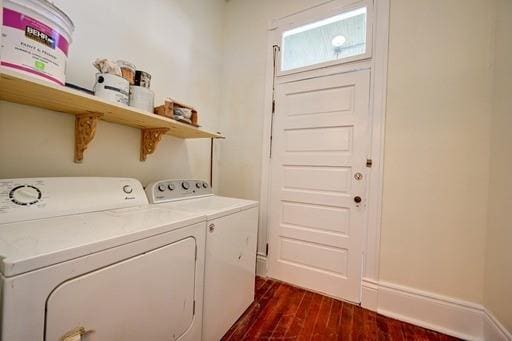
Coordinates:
[30,245]
[213,206]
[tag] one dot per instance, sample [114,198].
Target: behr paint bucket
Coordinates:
[36,39]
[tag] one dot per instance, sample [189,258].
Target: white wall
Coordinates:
[437,142]
[437,146]
[178,42]
[498,289]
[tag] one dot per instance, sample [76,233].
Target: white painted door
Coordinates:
[147,297]
[318,182]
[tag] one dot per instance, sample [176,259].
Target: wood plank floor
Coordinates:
[284,312]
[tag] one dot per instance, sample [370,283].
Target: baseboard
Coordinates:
[493,329]
[444,314]
[370,294]
[261,265]
[458,318]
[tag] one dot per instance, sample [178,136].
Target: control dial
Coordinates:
[198,185]
[205,185]
[25,195]
[161,188]
[171,187]
[185,185]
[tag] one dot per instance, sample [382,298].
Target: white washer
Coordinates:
[230,248]
[89,256]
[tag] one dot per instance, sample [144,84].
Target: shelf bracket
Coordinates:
[149,140]
[85,129]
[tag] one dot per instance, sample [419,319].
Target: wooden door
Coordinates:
[318,182]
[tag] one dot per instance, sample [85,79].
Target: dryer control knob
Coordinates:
[198,185]
[25,195]
[127,189]
[185,185]
[161,188]
[205,185]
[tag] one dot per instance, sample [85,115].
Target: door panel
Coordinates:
[148,297]
[314,256]
[334,219]
[320,101]
[317,178]
[320,140]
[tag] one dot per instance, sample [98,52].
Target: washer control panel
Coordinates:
[36,198]
[170,190]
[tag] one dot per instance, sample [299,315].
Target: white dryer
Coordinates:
[231,239]
[88,256]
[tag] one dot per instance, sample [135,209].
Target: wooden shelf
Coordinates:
[18,88]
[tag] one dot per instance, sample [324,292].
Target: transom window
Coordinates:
[336,38]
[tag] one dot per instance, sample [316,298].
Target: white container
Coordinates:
[35,39]
[112,88]
[142,98]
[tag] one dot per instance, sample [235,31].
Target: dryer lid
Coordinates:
[36,198]
[30,245]
[213,206]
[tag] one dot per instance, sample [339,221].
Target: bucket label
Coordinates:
[38,36]
[31,46]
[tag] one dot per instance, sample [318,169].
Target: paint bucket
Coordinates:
[142,78]
[35,39]
[111,87]
[142,98]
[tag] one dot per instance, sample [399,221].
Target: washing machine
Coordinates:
[231,238]
[89,259]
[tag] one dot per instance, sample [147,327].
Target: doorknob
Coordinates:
[357,199]
[211,227]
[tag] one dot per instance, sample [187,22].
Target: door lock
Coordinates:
[357,199]
[358,176]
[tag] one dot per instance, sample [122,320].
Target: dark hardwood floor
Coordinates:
[284,312]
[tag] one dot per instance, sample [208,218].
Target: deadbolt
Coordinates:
[357,199]
[358,176]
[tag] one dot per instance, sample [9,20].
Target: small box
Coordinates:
[167,110]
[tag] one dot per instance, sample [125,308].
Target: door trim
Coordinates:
[378,91]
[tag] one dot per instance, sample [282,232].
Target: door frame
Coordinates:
[378,91]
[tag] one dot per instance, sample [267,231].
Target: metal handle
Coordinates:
[358,199]
[211,227]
